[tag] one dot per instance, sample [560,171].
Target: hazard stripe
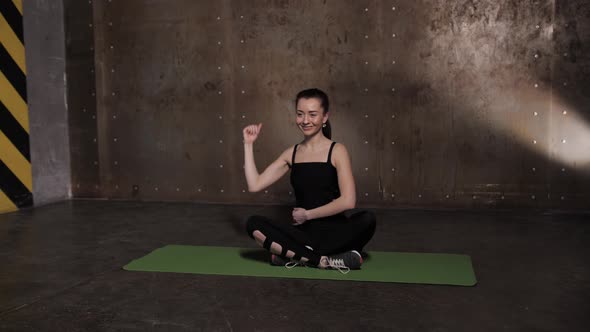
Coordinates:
[13,45]
[14,17]
[15,76]
[19,194]
[6,204]
[16,181]
[15,133]
[19,5]
[15,161]
[13,102]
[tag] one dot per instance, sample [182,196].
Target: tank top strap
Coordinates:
[293,157]
[330,153]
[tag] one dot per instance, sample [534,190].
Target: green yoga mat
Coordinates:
[420,268]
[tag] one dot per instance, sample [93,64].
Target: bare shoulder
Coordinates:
[287,154]
[340,154]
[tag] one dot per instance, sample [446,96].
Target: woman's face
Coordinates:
[310,116]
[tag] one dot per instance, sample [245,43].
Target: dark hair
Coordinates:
[324,101]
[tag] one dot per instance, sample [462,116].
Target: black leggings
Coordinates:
[318,237]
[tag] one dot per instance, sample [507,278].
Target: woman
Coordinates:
[320,234]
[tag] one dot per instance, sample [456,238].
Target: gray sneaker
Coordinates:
[346,261]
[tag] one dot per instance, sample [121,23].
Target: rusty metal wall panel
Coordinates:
[440,104]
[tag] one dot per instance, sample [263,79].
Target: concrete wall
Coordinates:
[43,22]
[441,104]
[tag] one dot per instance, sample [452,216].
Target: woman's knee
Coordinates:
[367,218]
[254,223]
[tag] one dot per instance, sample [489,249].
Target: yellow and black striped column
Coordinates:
[16,183]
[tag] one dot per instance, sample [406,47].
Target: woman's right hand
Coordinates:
[251,133]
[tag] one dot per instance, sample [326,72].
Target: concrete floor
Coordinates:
[61,271]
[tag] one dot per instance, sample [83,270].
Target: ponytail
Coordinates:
[327,130]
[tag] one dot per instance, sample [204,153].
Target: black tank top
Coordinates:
[315,183]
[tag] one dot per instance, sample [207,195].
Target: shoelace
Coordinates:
[291,264]
[338,263]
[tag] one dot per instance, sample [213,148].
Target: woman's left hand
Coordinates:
[299,216]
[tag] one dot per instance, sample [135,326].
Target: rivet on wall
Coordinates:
[534,141]
[366,9]
[394,35]
[218,67]
[241,17]
[243,91]
[241,41]
[393,62]
[243,116]
[218,18]
[535,114]
[219,43]
[366,62]
[366,36]
[243,67]
[393,116]
[393,8]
